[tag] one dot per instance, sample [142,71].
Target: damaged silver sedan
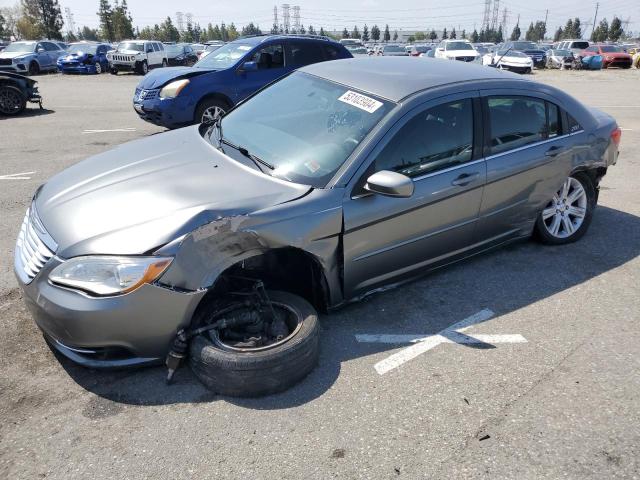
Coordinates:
[220,242]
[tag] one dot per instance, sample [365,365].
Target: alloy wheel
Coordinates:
[212,114]
[564,214]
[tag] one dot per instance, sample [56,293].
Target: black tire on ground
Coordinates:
[113,71]
[12,100]
[258,373]
[34,68]
[143,67]
[208,103]
[544,236]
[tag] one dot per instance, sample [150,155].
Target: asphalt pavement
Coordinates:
[548,389]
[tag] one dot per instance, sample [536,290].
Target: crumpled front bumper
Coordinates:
[108,332]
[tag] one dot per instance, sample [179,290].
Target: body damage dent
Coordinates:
[209,250]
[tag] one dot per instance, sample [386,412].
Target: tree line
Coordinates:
[33,19]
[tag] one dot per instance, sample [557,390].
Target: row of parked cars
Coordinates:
[519,56]
[34,57]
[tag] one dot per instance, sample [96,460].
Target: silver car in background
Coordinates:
[340,178]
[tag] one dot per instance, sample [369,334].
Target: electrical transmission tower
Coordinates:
[494,17]
[71,25]
[189,18]
[180,21]
[275,16]
[296,18]
[503,23]
[487,14]
[286,19]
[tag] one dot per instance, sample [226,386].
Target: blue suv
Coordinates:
[178,96]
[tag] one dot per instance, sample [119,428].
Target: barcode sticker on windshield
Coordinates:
[360,101]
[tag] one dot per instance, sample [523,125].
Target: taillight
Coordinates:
[616,135]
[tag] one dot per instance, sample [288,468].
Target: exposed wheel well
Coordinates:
[287,269]
[215,96]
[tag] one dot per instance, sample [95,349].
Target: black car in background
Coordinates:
[15,91]
[181,55]
[530,49]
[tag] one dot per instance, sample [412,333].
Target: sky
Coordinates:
[337,14]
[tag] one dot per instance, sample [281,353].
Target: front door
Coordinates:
[385,237]
[270,66]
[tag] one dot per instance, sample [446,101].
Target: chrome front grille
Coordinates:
[123,58]
[34,247]
[142,94]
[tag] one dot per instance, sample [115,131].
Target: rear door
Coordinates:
[270,60]
[437,145]
[528,156]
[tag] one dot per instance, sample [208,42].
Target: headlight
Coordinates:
[173,89]
[107,275]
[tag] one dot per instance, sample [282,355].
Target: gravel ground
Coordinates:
[562,405]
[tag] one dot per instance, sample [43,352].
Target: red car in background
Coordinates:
[612,55]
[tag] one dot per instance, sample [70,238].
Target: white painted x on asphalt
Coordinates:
[424,343]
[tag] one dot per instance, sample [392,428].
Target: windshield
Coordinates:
[580,45]
[610,49]
[82,48]
[561,53]
[174,49]
[458,46]
[137,46]
[304,126]
[524,46]
[393,48]
[224,57]
[20,47]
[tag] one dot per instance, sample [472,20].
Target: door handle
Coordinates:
[553,151]
[465,179]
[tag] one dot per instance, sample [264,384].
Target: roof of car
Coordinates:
[257,39]
[395,78]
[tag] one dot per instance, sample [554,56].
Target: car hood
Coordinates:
[146,193]
[74,56]
[14,54]
[160,77]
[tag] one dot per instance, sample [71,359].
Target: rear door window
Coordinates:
[516,122]
[269,57]
[331,52]
[305,53]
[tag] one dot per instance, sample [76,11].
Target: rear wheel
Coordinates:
[12,101]
[143,68]
[262,354]
[568,214]
[114,71]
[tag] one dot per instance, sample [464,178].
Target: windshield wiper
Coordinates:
[217,125]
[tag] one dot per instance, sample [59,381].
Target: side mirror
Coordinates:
[390,184]
[249,67]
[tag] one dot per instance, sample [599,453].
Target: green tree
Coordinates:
[365,33]
[345,33]
[464,34]
[375,33]
[2,26]
[387,35]
[558,35]
[224,34]
[105,14]
[444,33]
[474,37]
[615,30]
[89,34]
[122,22]
[395,35]
[515,34]
[168,31]
[355,33]
[453,33]
[303,31]
[601,32]
[232,32]
[68,37]
[499,35]
[250,29]
[312,31]
[577,31]
[44,17]
[433,35]
[531,34]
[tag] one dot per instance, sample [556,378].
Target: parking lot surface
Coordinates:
[548,388]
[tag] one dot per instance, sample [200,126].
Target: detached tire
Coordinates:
[260,372]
